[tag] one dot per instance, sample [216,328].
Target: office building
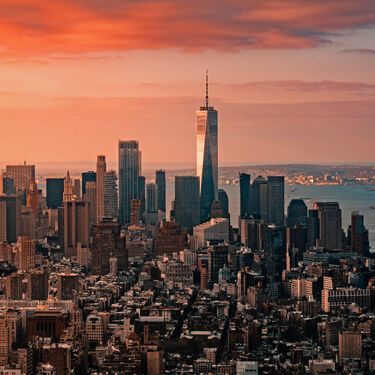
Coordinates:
[217,259]
[6,185]
[259,199]
[101,168]
[108,242]
[151,198]
[313,229]
[244,195]
[10,217]
[186,204]
[358,235]
[110,195]
[129,172]
[76,226]
[21,174]
[25,254]
[32,198]
[86,177]
[246,368]
[207,156]
[67,286]
[55,192]
[224,202]
[275,197]
[77,189]
[330,225]
[68,195]
[161,185]
[297,213]
[170,238]
[350,345]
[214,230]
[37,284]
[90,198]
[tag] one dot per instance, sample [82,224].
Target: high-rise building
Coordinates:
[108,243]
[22,175]
[330,225]
[224,201]
[135,211]
[75,226]
[313,229]
[259,199]
[207,156]
[101,168]
[25,253]
[129,172]
[110,195]
[297,213]
[244,195]
[10,217]
[161,187]
[151,197]
[142,195]
[186,204]
[90,197]
[77,189]
[37,284]
[32,200]
[6,185]
[275,197]
[55,192]
[217,258]
[86,177]
[358,235]
[170,238]
[350,345]
[67,285]
[68,195]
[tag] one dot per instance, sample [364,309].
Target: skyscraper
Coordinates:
[110,195]
[22,175]
[129,172]
[244,195]
[161,186]
[297,213]
[358,234]
[55,191]
[6,185]
[313,228]
[275,197]
[90,197]
[186,204]
[259,199]
[151,197]
[224,201]
[101,168]
[68,188]
[207,156]
[86,177]
[330,224]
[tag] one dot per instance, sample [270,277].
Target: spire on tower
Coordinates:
[206,89]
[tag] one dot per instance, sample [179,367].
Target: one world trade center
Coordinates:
[207,156]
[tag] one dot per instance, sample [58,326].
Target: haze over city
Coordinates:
[288,77]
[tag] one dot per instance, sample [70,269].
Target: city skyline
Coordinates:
[287,75]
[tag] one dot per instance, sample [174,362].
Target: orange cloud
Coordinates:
[85,26]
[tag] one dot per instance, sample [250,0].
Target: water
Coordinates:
[350,198]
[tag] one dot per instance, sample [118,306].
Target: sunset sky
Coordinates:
[293,80]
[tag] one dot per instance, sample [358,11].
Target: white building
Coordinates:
[216,229]
[247,368]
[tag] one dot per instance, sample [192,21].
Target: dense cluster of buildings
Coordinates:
[95,279]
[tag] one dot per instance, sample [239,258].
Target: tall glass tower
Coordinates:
[207,156]
[129,173]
